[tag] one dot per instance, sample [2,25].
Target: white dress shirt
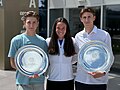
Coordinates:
[83,37]
[60,68]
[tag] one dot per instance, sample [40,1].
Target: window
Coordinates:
[54,14]
[111,24]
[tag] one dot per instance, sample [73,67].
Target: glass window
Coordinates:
[43,18]
[54,14]
[111,24]
[74,21]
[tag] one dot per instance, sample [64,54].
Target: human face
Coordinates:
[88,19]
[31,25]
[60,30]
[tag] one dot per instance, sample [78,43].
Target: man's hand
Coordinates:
[34,76]
[97,74]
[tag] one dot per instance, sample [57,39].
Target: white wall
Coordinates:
[76,3]
[73,3]
[94,2]
[111,2]
[64,3]
[56,3]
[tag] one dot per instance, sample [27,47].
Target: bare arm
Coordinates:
[12,62]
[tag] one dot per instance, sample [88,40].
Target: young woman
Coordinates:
[61,50]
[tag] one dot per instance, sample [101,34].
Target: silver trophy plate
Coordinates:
[30,60]
[94,56]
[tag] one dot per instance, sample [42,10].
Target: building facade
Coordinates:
[11,12]
[108,18]
[107,11]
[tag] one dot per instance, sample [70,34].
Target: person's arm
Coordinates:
[108,42]
[102,73]
[12,63]
[97,74]
[75,57]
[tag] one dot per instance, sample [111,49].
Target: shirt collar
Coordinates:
[93,31]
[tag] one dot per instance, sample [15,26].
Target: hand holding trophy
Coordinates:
[95,56]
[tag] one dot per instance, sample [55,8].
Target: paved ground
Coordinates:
[114,82]
[7,81]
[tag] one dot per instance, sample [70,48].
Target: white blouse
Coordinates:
[60,68]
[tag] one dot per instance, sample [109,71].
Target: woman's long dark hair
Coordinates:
[53,48]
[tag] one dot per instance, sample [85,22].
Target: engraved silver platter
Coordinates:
[30,60]
[94,56]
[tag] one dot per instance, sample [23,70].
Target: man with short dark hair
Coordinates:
[91,80]
[29,37]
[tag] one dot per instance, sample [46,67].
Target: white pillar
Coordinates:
[101,17]
[48,17]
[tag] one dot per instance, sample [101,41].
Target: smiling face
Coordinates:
[31,24]
[61,30]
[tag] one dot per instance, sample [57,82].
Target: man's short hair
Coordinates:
[30,14]
[87,9]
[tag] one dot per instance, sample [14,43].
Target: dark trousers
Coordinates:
[60,85]
[81,86]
